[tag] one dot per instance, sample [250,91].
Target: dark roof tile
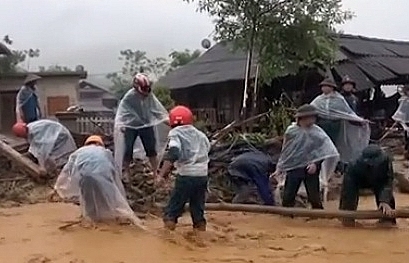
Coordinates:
[351,70]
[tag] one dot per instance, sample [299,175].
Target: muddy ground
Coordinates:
[30,233]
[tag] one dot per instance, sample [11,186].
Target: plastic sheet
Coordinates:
[92,176]
[402,113]
[50,142]
[354,133]
[305,146]
[193,159]
[137,112]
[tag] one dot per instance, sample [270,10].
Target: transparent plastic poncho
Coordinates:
[402,113]
[305,146]
[92,177]
[138,112]
[194,148]
[355,132]
[50,143]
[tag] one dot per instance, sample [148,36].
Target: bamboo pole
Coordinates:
[301,212]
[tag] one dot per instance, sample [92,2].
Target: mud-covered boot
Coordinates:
[169,224]
[200,227]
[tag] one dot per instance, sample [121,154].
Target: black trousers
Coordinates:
[190,189]
[312,186]
[350,195]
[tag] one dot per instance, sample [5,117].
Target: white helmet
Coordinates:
[142,83]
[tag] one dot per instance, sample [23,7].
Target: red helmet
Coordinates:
[180,115]
[20,129]
[142,83]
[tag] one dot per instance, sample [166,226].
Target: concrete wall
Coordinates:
[48,86]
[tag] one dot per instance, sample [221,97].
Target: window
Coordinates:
[57,103]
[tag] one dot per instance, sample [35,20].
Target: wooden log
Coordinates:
[302,212]
[31,168]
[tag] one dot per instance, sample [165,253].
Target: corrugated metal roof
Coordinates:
[398,65]
[375,70]
[363,46]
[218,64]
[351,70]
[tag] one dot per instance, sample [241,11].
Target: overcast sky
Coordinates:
[91,32]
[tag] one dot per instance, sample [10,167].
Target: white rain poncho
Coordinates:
[402,113]
[92,177]
[355,132]
[194,147]
[50,143]
[305,146]
[137,112]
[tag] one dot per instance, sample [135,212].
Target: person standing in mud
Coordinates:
[248,169]
[188,151]
[372,170]
[27,104]
[305,147]
[348,88]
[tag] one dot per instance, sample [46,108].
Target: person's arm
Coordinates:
[386,193]
[171,156]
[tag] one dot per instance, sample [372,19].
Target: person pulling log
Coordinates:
[92,178]
[373,169]
[51,143]
[188,150]
[305,147]
[248,169]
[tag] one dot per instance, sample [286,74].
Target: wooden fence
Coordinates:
[87,122]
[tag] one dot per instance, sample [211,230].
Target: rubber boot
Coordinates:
[200,227]
[170,225]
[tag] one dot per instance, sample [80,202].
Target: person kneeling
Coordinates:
[92,177]
[188,150]
[372,170]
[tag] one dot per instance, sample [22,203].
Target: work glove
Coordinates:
[386,210]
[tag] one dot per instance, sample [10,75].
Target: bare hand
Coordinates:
[386,210]
[312,168]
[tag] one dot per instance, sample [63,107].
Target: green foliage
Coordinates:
[181,58]
[55,68]
[138,61]
[280,117]
[163,95]
[9,64]
[287,35]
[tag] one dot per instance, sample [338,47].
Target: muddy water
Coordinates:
[31,234]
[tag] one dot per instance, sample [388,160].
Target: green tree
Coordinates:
[181,58]
[55,68]
[9,64]
[163,95]
[286,35]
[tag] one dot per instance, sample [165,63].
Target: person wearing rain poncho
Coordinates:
[27,105]
[372,170]
[305,147]
[138,113]
[402,114]
[188,151]
[92,178]
[50,142]
[348,86]
[349,132]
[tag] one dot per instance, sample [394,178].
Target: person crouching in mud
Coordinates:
[372,170]
[248,169]
[305,146]
[188,150]
[92,177]
[50,142]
